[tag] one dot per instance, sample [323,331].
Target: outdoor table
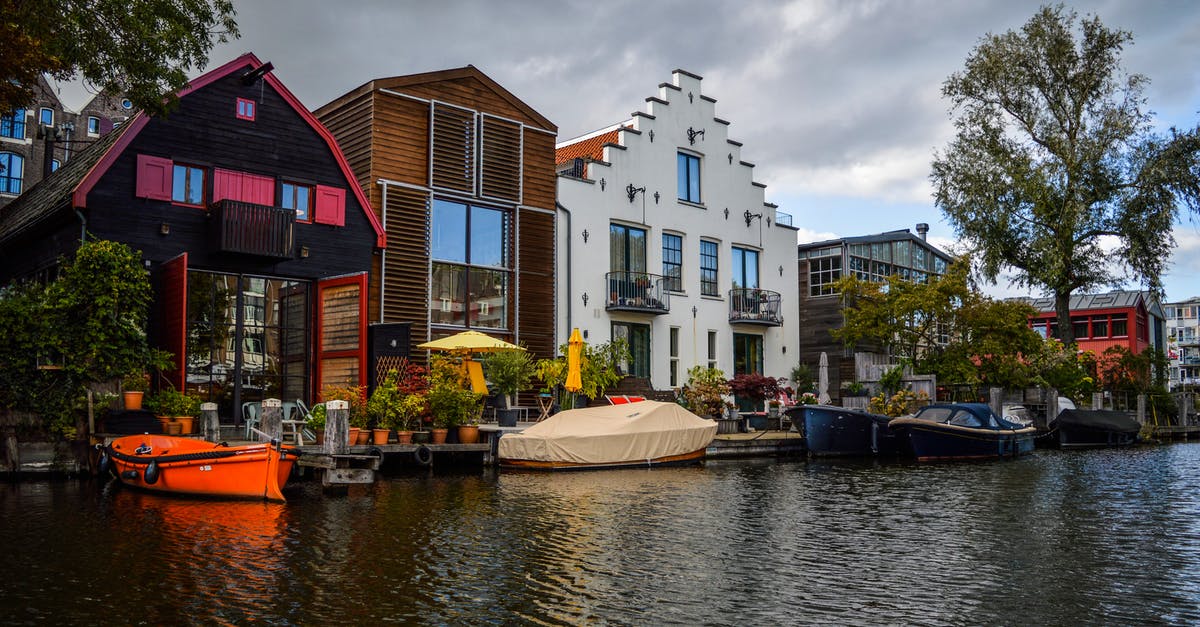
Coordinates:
[545,404]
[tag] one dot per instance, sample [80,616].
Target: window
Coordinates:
[1079,327]
[13,124]
[93,127]
[245,109]
[187,185]
[672,262]
[638,338]
[823,272]
[689,177]
[46,116]
[12,168]
[298,197]
[626,248]
[712,349]
[470,270]
[745,268]
[747,354]
[54,165]
[1120,326]
[708,268]
[1100,326]
[674,351]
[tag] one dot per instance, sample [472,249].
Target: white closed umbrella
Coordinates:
[823,379]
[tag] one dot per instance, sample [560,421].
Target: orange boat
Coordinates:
[164,463]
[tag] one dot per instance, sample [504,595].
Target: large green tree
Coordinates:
[1056,174]
[140,48]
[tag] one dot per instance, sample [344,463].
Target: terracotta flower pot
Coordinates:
[133,399]
[364,436]
[174,428]
[163,422]
[404,437]
[438,436]
[320,437]
[380,436]
[352,436]
[468,434]
[186,424]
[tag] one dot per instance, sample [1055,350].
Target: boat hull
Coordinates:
[837,431]
[932,441]
[173,465]
[695,457]
[1078,428]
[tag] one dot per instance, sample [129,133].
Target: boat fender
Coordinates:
[151,476]
[129,474]
[105,462]
[423,455]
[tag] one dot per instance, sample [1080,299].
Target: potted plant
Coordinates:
[853,388]
[752,389]
[383,407]
[316,421]
[599,370]
[355,398]
[171,405]
[510,371]
[133,387]
[451,400]
[704,395]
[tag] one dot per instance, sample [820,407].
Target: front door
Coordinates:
[638,337]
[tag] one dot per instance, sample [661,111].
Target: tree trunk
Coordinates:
[1062,310]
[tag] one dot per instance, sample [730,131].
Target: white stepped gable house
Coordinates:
[665,240]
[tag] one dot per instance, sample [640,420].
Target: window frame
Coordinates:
[285,198]
[738,258]
[246,109]
[672,260]
[93,126]
[42,111]
[467,271]
[13,122]
[188,168]
[688,176]
[710,285]
[7,181]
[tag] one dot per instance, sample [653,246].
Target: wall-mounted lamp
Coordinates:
[585,235]
[585,299]
[731,158]
[651,136]
[602,183]
[780,270]
[656,197]
[164,228]
[632,191]
[694,311]
[693,134]
[726,213]
[249,77]
[304,252]
[750,216]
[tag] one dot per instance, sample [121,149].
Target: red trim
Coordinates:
[245,104]
[360,280]
[139,121]
[174,316]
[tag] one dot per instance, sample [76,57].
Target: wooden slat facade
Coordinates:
[457,134]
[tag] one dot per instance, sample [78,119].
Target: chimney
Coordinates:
[922,229]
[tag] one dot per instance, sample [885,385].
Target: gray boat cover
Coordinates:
[1099,419]
[631,432]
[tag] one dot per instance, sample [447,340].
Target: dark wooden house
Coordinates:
[258,238]
[461,174]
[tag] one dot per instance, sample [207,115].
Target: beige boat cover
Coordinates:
[612,434]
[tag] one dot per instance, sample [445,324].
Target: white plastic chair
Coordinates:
[250,417]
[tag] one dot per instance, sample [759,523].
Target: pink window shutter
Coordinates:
[226,184]
[258,189]
[154,177]
[330,206]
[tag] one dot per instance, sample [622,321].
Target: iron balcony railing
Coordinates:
[242,227]
[637,292]
[755,306]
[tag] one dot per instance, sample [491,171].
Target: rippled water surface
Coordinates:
[1064,538]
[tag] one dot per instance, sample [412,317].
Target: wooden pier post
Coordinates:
[1141,409]
[337,428]
[210,424]
[272,420]
[1051,407]
[1097,400]
[996,400]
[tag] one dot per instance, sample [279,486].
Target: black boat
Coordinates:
[833,431]
[1081,428]
[962,431]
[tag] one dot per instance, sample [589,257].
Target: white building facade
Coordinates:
[666,241]
[1183,342]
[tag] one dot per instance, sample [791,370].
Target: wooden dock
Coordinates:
[757,444]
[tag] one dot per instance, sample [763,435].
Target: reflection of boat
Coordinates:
[648,433]
[188,466]
[962,431]
[1079,428]
[830,430]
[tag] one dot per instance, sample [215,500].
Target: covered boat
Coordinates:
[648,433]
[962,431]
[839,431]
[164,463]
[1080,428]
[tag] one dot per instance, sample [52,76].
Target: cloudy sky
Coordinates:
[837,102]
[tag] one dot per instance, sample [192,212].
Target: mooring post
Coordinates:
[272,420]
[1052,408]
[996,398]
[1141,415]
[1097,400]
[210,424]
[337,428]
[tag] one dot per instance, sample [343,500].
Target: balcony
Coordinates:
[242,227]
[755,306]
[637,292]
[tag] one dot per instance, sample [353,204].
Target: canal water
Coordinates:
[1063,538]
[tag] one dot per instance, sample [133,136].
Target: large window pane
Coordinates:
[627,249]
[688,173]
[489,238]
[673,262]
[448,240]
[488,298]
[449,292]
[708,268]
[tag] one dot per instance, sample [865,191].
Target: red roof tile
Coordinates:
[590,149]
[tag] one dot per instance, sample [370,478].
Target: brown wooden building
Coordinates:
[461,174]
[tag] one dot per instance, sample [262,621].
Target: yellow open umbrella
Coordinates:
[574,362]
[470,341]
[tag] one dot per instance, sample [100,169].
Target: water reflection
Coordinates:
[1054,538]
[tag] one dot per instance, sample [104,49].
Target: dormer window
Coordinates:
[245,109]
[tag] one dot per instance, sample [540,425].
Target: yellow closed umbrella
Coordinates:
[574,381]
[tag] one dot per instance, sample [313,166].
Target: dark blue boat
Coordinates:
[830,431]
[962,431]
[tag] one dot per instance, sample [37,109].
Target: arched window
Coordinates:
[12,169]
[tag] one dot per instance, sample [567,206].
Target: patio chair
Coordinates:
[251,418]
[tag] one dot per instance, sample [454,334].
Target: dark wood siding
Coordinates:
[406,280]
[351,127]
[471,93]
[537,251]
[539,178]
[402,141]
[204,132]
